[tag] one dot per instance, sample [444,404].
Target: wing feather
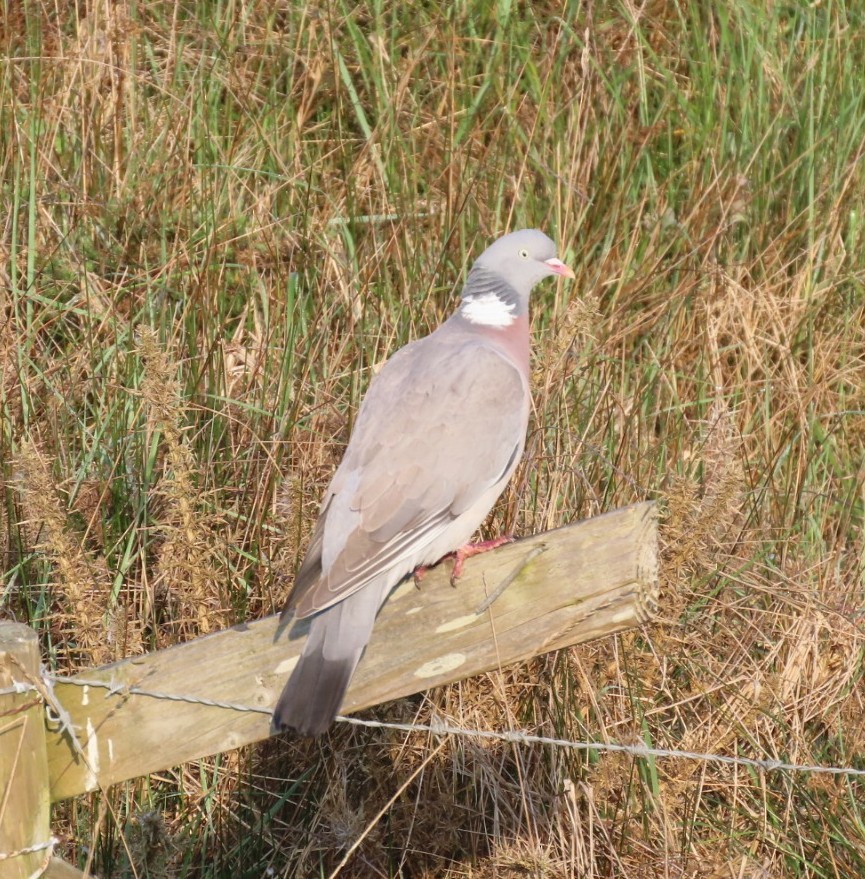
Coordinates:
[442,424]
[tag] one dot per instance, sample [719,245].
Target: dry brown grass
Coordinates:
[84,627]
[187,570]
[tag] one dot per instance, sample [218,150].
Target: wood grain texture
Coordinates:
[559,588]
[24,787]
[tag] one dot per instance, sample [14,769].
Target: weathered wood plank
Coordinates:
[24,800]
[59,869]
[570,585]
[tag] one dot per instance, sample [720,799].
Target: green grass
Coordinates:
[284,194]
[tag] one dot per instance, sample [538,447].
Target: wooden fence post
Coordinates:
[24,793]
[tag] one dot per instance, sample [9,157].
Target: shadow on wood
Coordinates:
[552,590]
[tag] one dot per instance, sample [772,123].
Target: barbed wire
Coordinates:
[18,688]
[517,737]
[116,688]
[635,750]
[48,845]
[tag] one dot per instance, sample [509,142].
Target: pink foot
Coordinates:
[459,556]
[470,549]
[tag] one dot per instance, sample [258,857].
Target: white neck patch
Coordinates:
[488,310]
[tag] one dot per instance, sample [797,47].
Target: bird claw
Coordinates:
[470,549]
[459,556]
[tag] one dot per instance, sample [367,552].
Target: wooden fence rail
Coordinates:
[152,712]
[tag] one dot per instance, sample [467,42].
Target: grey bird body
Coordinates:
[437,437]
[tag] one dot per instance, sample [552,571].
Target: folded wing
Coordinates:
[441,427]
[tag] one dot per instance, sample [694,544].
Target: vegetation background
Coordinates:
[220,215]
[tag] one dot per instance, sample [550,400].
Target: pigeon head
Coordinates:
[498,286]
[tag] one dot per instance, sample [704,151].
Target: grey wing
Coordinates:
[440,428]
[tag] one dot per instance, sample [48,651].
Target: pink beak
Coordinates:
[557,266]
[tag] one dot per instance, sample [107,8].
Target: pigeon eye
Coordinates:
[524,253]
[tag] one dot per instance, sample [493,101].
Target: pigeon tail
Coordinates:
[313,694]
[337,639]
